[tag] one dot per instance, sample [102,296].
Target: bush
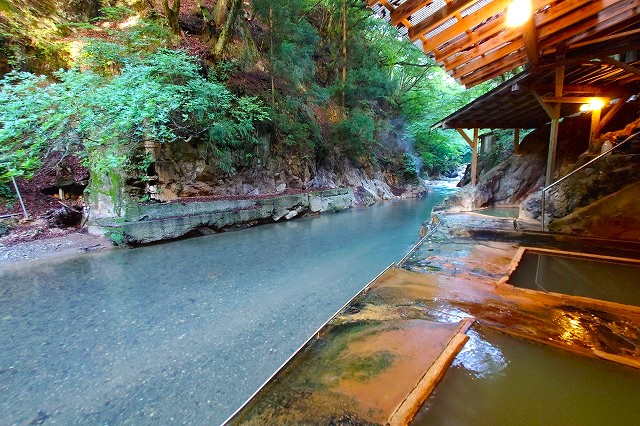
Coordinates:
[161,97]
[355,134]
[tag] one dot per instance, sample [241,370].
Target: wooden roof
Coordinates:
[516,103]
[471,40]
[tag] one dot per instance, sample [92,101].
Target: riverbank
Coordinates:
[69,244]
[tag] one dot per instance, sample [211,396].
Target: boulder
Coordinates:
[616,216]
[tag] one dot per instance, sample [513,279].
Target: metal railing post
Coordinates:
[545,189]
[15,186]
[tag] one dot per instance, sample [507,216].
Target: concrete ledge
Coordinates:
[156,222]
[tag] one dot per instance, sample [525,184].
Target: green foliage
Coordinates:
[160,97]
[8,196]
[355,133]
[114,13]
[440,153]
[409,167]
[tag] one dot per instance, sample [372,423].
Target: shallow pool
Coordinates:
[499,380]
[509,212]
[614,280]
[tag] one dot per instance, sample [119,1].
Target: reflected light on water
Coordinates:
[480,358]
[572,328]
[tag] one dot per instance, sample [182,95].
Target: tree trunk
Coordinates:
[344,51]
[273,83]
[173,15]
[208,20]
[220,12]
[225,34]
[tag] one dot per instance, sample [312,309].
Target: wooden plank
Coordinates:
[605,38]
[550,22]
[511,34]
[580,22]
[608,18]
[496,33]
[442,15]
[460,27]
[407,9]
[490,58]
[412,403]
[477,78]
[488,29]
[495,69]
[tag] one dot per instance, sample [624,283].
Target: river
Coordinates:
[183,332]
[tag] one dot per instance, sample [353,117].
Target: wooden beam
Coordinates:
[474,158]
[549,22]
[593,133]
[603,24]
[627,67]
[568,99]
[490,58]
[461,26]
[577,25]
[555,124]
[554,23]
[407,9]
[612,112]
[442,15]
[495,33]
[547,108]
[495,69]
[488,29]
[605,38]
[465,136]
[530,37]
[391,8]
[608,91]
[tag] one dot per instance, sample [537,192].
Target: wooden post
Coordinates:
[473,143]
[516,141]
[555,123]
[474,159]
[595,124]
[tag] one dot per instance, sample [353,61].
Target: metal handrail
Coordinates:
[545,189]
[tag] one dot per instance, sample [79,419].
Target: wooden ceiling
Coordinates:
[471,40]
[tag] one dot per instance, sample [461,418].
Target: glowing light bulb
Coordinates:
[596,103]
[518,13]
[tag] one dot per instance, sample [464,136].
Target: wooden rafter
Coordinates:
[460,27]
[406,9]
[471,40]
[447,12]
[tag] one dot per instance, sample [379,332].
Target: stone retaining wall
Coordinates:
[155,222]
